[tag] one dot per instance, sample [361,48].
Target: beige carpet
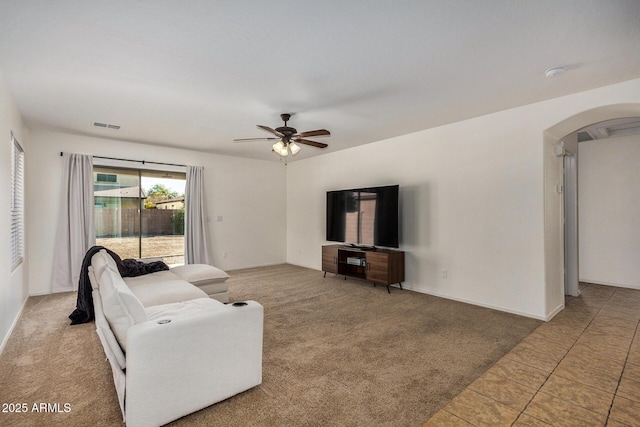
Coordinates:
[336,352]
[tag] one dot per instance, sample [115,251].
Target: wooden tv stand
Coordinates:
[380,266]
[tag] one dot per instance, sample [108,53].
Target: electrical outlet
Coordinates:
[226,255]
[445,273]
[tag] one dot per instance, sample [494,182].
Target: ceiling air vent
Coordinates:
[106,126]
[584,136]
[610,128]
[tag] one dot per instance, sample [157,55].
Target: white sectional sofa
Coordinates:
[172,349]
[210,279]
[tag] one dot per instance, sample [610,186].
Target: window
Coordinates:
[106,177]
[17,203]
[132,217]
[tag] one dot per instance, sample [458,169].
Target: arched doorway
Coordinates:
[554,240]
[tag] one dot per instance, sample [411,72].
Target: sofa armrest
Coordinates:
[191,362]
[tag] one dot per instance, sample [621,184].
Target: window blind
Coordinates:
[17,203]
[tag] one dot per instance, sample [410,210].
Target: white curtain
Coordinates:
[196,235]
[75,233]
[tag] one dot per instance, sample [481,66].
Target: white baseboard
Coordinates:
[617,285]
[493,307]
[555,311]
[37,294]
[13,325]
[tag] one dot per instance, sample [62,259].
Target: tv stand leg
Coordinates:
[325,275]
[400,283]
[388,288]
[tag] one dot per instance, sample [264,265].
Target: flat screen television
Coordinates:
[365,217]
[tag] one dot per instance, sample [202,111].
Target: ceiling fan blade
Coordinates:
[253,139]
[312,143]
[319,132]
[273,131]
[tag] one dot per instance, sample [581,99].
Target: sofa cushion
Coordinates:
[214,288]
[168,311]
[100,261]
[200,274]
[121,307]
[164,291]
[156,277]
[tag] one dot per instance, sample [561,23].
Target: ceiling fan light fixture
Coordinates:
[281,148]
[289,140]
[278,147]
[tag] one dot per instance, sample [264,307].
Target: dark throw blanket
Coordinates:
[127,268]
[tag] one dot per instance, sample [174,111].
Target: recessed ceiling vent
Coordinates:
[584,136]
[106,126]
[610,129]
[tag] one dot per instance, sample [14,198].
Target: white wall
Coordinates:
[472,201]
[247,194]
[13,284]
[609,210]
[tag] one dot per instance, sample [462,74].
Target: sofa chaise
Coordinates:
[210,279]
[172,349]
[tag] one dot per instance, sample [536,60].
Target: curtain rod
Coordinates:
[129,160]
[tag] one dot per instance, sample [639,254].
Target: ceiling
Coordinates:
[197,74]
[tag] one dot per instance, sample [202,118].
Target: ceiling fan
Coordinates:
[288,138]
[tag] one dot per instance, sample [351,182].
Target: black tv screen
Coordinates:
[364,216]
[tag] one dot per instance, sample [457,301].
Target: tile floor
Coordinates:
[580,369]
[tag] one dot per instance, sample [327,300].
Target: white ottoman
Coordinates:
[206,277]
